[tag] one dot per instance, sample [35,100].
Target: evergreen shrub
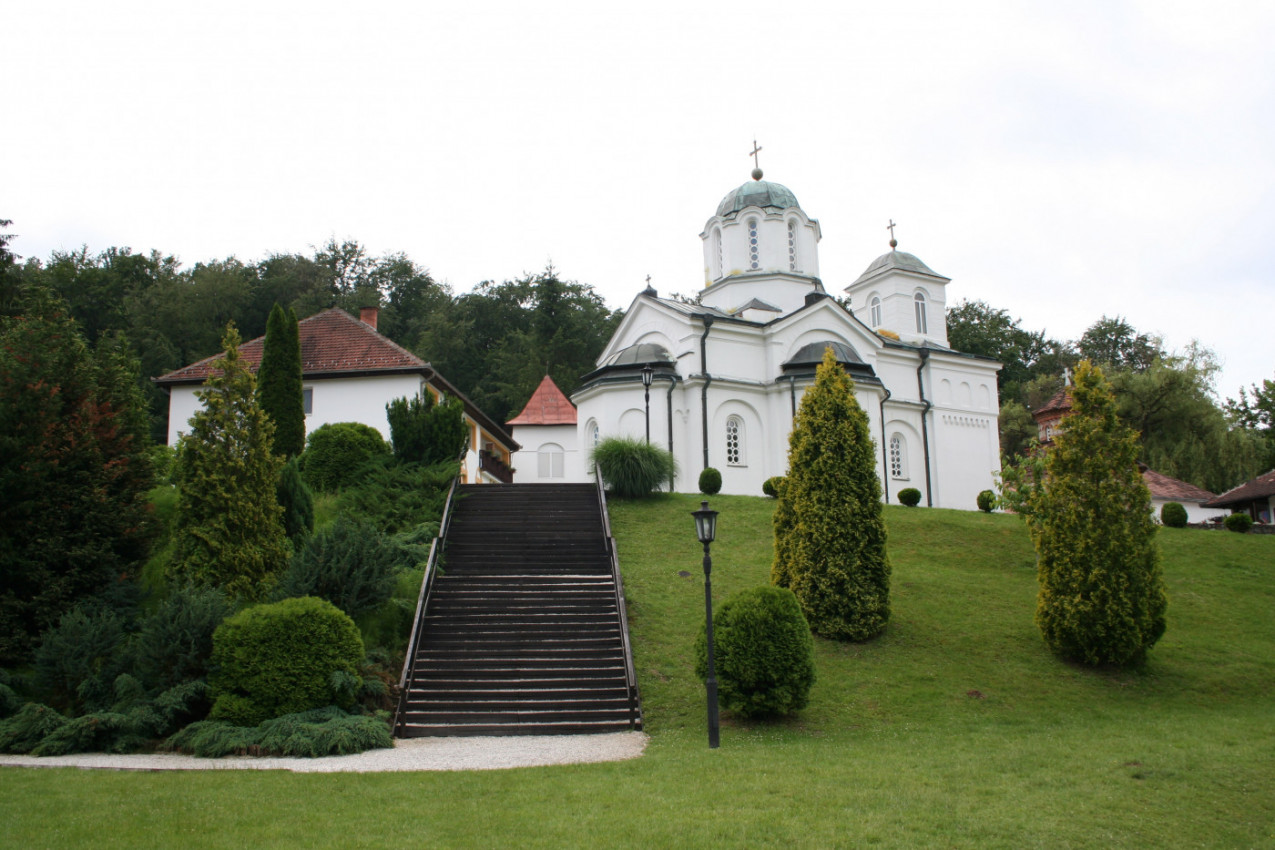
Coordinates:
[632,468]
[399,497]
[24,731]
[279,658]
[1239,523]
[1101,599]
[910,496]
[321,732]
[174,644]
[335,454]
[296,500]
[710,481]
[763,655]
[829,527]
[770,487]
[423,431]
[986,501]
[351,565]
[1173,515]
[78,659]
[279,382]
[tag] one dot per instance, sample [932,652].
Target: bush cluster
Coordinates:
[296,500]
[1173,515]
[710,481]
[284,658]
[1239,523]
[763,655]
[351,565]
[423,431]
[910,496]
[632,468]
[398,497]
[336,452]
[986,501]
[321,732]
[771,486]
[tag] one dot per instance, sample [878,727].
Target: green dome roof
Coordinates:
[757,193]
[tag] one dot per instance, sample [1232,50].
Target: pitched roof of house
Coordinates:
[1171,489]
[547,406]
[332,343]
[1263,486]
[1059,403]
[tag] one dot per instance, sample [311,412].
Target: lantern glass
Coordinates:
[648,373]
[705,523]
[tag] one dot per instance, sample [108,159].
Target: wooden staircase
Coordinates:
[522,630]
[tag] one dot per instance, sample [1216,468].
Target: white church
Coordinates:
[718,382]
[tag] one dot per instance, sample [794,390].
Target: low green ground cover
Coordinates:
[954,728]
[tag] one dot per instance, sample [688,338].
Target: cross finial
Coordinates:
[756,163]
[894,243]
[1066,376]
[648,280]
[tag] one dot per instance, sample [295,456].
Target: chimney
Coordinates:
[367,315]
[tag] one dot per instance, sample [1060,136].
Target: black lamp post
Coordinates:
[648,373]
[706,530]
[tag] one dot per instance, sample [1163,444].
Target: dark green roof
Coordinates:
[898,260]
[757,193]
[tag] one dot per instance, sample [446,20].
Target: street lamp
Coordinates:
[706,530]
[648,372]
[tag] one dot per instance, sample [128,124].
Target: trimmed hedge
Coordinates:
[986,501]
[771,486]
[910,496]
[284,658]
[1239,523]
[335,453]
[710,481]
[1173,515]
[764,655]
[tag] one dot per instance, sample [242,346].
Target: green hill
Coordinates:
[955,729]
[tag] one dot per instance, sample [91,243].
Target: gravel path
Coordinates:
[407,754]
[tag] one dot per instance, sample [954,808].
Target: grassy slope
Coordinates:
[956,728]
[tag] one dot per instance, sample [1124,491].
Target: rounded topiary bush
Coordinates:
[335,452]
[986,500]
[632,468]
[1173,515]
[910,496]
[1239,523]
[710,482]
[284,658]
[764,656]
[770,487]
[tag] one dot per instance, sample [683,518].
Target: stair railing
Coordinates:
[422,603]
[630,674]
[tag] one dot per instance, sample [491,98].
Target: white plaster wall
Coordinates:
[526,461]
[1195,512]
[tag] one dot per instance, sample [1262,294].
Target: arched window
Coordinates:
[754,255]
[735,441]
[876,311]
[898,456]
[549,460]
[593,434]
[792,246]
[717,246]
[922,326]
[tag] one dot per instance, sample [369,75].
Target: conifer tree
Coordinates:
[829,529]
[229,524]
[1101,598]
[279,382]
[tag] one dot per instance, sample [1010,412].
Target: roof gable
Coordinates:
[1164,487]
[547,406]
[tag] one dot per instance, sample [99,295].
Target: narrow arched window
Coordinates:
[898,456]
[717,250]
[922,326]
[549,460]
[792,246]
[876,312]
[594,435]
[754,253]
[734,441]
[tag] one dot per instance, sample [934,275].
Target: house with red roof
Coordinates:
[349,374]
[1255,498]
[546,429]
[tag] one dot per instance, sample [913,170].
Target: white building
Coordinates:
[730,370]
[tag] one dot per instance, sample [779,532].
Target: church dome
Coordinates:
[757,193]
[898,260]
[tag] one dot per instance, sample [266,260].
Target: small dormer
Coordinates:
[899,293]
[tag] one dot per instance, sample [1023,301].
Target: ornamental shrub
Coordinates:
[174,644]
[763,654]
[632,468]
[710,481]
[829,530]
[910,496]
[336,452]
[1173,515]
[1101,598]
[397,497]
[351,565]
[78,659]
[770,487]
[297,502]
[321,732]
[282,658]
[423,431]
[1239,523]
[986,501]
[279,383]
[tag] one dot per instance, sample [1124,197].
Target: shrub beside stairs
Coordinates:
[522,630]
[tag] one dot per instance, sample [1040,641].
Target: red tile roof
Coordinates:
[1261,487]
[1164,487]
[547,406]
[332,343]
[1061,402]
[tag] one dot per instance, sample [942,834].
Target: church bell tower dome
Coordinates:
[757,193]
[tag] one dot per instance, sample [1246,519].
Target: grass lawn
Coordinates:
[954,729]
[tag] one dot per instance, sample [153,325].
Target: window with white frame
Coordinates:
[898,457]
[595,434]
[717,244]
[735,441]
[307,401]
[549,461]
[754,254]
[875,305]
[792,246]
[922,326]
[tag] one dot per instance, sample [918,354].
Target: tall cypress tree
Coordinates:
[829,528]
[1101,598]
[279,382]
[229,524]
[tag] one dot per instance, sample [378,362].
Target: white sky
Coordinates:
[1059,160]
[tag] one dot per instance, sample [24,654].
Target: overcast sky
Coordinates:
[1060,160]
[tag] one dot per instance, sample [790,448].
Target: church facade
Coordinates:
[726,374]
